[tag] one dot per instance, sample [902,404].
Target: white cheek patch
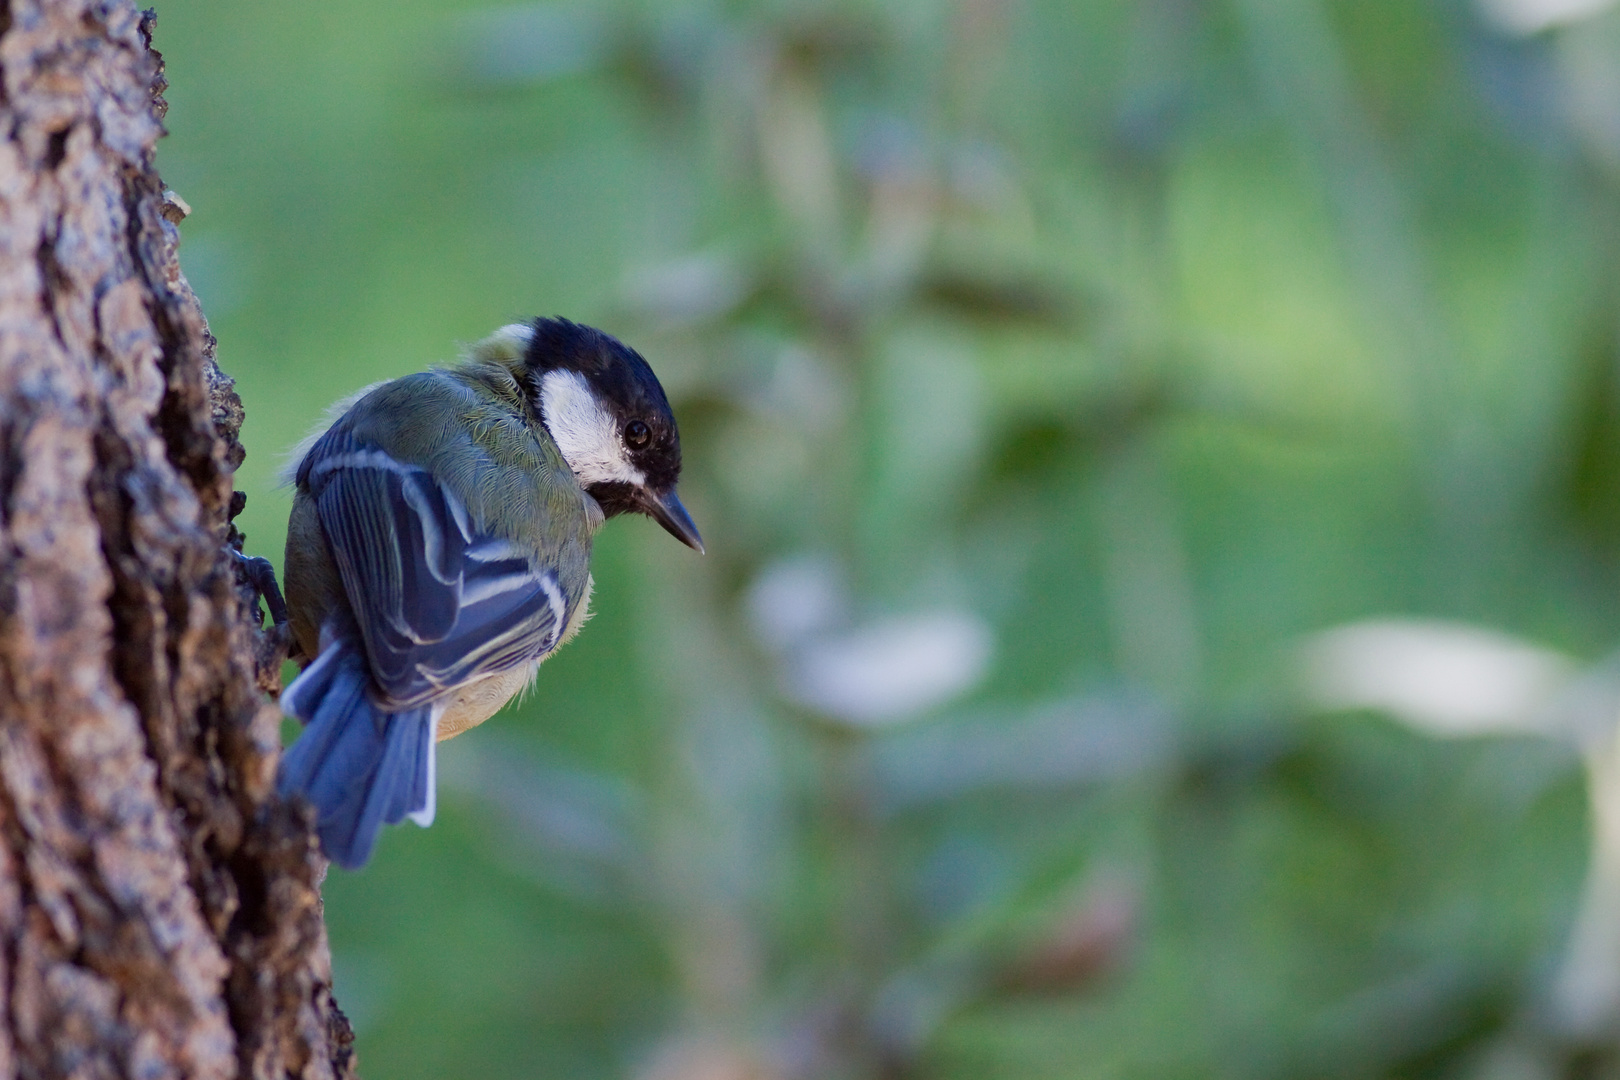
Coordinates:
[584,431]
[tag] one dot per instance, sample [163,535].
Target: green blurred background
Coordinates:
[1050,375]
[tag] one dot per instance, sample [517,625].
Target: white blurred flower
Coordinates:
[1442,678]
[1533,16]
[867,675]
[796,598]
[893,669]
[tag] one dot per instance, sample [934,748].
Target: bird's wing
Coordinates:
[437,601]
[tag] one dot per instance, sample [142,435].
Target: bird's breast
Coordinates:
[478,701]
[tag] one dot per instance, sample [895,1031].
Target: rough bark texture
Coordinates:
[159,912]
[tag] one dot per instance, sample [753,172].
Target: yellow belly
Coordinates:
[477,702]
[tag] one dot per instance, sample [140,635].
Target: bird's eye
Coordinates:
[637,434]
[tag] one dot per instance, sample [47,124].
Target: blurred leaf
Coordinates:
[1592,484]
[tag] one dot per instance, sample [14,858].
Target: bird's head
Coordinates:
[603,407]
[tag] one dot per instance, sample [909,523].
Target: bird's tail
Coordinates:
[361,768]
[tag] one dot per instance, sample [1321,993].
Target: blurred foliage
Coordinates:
[1046,369]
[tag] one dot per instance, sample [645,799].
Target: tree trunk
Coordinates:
[159,910]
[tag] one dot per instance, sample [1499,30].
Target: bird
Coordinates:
[438,550]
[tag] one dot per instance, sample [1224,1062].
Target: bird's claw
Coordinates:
[257,572]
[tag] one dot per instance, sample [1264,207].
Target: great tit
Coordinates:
[439,549]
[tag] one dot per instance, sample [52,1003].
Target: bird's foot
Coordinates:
[257,573]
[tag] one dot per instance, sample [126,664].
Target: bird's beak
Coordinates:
[666,509]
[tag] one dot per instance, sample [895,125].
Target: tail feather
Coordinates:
[361,768]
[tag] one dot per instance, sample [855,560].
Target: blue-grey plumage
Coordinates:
[439,550]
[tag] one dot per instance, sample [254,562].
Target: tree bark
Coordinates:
[159,909]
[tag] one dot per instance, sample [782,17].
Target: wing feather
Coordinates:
[438,603]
